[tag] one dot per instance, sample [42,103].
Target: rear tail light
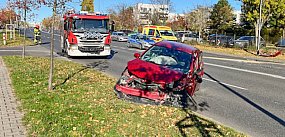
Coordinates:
[108,40]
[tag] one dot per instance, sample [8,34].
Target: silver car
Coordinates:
[119,36]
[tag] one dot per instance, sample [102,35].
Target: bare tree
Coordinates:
[55,4]
[27,6]
[123,16]
[197,19]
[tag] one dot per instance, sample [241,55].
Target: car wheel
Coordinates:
[141,46]
[129,45]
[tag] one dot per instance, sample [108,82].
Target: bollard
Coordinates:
[4,38]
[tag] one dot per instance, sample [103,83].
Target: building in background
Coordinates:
[237,15]
[146,13]
[174,16]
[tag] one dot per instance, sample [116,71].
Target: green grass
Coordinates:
[83,104]
[19,41]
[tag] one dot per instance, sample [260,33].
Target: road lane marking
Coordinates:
[248,71]
[133,49]
[240,60]
[225,84]
[26,51]
[50,33]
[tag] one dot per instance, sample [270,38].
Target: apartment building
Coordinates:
[144,12]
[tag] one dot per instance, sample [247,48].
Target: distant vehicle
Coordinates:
[119,36]
[168,73]
[248,41]
[127,32]
[225,41]
[214,36]
[159,33]
[140,41]
[190,37]
[281,43]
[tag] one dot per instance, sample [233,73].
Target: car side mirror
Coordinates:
[137,55]
[199,79]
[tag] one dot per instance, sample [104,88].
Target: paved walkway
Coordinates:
[10,117]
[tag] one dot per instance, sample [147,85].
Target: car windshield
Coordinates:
[122,34]
[245,38]
[144,37]
[90,24]
[168,57]
[166,33]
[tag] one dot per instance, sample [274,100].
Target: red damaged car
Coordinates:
[167,73]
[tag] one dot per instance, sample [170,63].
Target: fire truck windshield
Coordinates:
[80,25]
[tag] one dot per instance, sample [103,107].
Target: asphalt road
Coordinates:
[247,95]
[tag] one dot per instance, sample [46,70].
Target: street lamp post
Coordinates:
[259,26]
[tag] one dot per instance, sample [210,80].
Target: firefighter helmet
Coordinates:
[37,26]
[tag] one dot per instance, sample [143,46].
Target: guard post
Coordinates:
[4,39]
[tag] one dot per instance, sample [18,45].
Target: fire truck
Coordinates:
[86,34]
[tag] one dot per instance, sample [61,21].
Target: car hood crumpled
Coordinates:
[153,72]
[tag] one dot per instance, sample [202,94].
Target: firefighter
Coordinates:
[37,35]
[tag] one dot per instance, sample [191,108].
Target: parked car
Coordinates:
[127,32]
[140,41]
[184,36]
[212,36]
[119,36]
[281,43]
[225,41]
[167,73]
[248,41]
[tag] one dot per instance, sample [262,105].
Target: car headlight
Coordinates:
[73,46]
[125,78]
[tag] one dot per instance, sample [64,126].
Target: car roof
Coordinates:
[178,46]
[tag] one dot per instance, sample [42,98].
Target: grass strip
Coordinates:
[83,104]
[237,52]
[19,41]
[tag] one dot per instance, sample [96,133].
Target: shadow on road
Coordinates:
[201,124]
[99,65]
[277,119]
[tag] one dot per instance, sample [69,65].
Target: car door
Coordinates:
[132,40]
[194,78]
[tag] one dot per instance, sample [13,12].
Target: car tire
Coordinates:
[129,45]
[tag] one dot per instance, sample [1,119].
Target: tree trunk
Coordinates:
[283,36]
[25,23]
[256,34]
[52,48]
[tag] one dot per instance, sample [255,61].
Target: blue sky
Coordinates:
[179,6]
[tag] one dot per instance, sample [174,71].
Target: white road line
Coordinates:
[240,60]
[26,51]
[248,71]
[128,48]
[225,84]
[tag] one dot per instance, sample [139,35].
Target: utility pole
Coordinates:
[259,26]
[25,23]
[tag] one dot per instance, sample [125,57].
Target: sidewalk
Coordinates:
[10,117]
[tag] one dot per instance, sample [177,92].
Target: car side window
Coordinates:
[151,32]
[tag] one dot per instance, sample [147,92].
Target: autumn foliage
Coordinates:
[5,16]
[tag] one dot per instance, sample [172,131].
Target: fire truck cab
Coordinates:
[86,34]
